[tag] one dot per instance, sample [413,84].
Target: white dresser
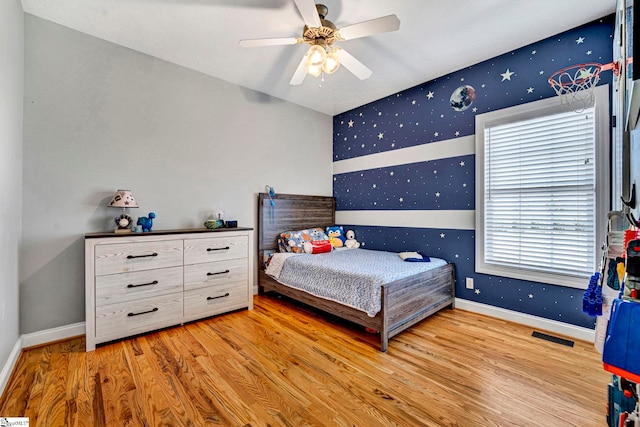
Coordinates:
[139,282]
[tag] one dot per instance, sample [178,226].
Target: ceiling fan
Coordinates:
[321,34]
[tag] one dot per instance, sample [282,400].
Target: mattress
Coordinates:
[352,277]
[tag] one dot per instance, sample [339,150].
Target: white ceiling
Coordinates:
[436,37]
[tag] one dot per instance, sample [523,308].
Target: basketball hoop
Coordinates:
[575,84]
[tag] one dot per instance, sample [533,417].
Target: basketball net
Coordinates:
[575,85]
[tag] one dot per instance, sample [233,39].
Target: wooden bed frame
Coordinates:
[404,302]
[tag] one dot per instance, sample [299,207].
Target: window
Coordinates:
[542,187]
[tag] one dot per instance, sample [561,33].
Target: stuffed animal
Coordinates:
[351,242]
[336,236]
[146,222]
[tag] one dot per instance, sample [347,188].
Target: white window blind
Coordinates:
[540,194]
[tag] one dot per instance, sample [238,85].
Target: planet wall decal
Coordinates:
[462,97]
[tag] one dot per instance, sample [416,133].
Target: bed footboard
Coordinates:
[408,301]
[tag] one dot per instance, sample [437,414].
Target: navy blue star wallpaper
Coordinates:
[404,166]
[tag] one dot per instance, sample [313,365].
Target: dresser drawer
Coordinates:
[116,288]
[215,249]
[120,320]
[213,273]
[137,256]
[213,300]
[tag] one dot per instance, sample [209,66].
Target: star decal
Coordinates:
[580,40]
[438,194]
[413,102]
[374,186]
[477,291]
[507,75]
[401,199]
[350,122]
[530,296]
[457,133]
[533,52]
[442,235]
[474,109]
[430,94]
[436,134]
[380,135]
[529,89]
[461,163]
[585,73]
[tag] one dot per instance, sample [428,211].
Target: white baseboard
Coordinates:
[566,329]
[7,369]
[53,334]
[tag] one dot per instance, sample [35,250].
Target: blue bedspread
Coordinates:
[352,277]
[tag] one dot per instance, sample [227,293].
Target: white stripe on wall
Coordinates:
[457,220]
[463,146]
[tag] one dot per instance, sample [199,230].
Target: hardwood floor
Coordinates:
[286,365]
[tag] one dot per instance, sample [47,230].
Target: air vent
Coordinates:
[551,338]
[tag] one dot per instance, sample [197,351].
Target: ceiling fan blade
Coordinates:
[309,13]
[383,24]
[353,65]
[299,74]
[268,42]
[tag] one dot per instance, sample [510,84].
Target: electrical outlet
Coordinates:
[469,282]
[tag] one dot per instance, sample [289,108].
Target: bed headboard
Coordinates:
[290,212]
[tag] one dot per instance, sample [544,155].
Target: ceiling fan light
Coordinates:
[331,64]
[316,55]
[314,70]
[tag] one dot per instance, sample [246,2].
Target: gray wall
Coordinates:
[99,117]
[11,91]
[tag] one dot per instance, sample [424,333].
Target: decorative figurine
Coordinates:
[146,222]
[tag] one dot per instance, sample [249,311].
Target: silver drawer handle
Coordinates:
[131,285]
[141,256]
[143,312]
[216,273]
[219,296]
[218,249]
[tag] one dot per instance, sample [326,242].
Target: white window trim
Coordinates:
[523,112]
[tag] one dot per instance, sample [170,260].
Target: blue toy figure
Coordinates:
[146,222]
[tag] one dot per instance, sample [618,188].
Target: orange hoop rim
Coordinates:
[553,81]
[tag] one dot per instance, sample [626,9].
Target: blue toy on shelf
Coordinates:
[621,354]
[146,222]
[592,297]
